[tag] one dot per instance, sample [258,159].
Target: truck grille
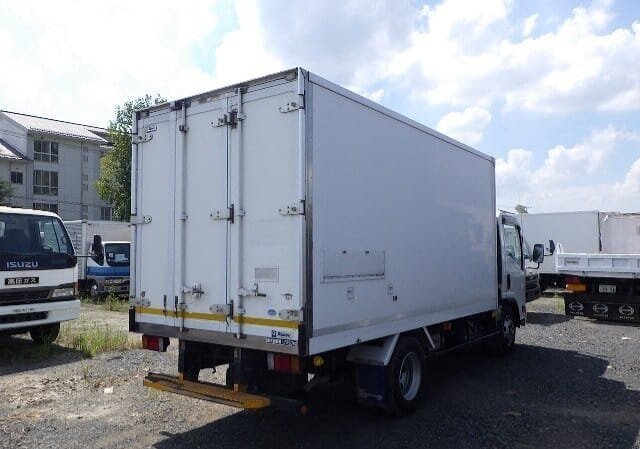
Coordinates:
[23,317]
[29,296]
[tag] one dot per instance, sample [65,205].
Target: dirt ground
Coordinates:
[571,383]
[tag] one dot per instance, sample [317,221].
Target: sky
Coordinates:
[550,89]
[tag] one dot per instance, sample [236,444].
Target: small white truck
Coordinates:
[38,267]
[301,234]
[103,249]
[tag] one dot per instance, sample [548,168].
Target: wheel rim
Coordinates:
[410,376]
[94,290]
[509,329]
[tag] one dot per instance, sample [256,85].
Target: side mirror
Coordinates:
[552,247]
[538,253]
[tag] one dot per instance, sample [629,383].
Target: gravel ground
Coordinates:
[571,383]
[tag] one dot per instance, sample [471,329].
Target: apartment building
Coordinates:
[52,165]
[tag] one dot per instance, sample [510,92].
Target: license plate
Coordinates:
[604,288]
[30,280]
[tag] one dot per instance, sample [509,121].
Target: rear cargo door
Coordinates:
[266,183]
[154,158]
[181,236]
[203,216]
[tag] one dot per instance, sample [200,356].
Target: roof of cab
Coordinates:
[21,211]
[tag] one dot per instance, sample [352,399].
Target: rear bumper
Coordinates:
[207,391]
[28,315]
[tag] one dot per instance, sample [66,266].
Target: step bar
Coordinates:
[207,391]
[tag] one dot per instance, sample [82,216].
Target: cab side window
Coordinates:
[512,245]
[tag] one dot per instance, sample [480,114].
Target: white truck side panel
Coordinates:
[404,231]
[577,232]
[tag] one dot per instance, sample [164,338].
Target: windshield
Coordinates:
[34,242]
[117,254]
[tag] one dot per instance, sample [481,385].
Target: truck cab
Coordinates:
[38,286]
[513,273]
[108,267]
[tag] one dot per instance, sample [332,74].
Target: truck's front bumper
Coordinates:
[19,316]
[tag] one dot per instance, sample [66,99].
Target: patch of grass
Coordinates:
[94,340]
[559,304]
[114,303]
[111,302]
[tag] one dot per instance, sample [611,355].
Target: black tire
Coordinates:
[47,333]
[93,290]
[506,339]
[405,376]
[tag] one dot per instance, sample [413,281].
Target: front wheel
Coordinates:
[93,290]
[47,333]
[405,376]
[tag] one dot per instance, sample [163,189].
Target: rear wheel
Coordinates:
[405,376]
[46,333]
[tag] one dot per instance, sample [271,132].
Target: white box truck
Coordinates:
[576,231]
[301,233]
[103,249]
[38,267]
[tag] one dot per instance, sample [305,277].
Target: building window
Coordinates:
[85,178]
[45,151]
[49,207]
[85,158]
[106,213]
[85,187]
[85,212]
[16,177]
[45,182]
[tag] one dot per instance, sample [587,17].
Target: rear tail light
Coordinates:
[153,343]
[283,363]
[575,284]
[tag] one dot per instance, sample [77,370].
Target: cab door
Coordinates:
[513,279]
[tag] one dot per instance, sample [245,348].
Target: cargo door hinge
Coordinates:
[227,213]
[292,105]
[137,138]
[229,119]
[145,219]
[292,209]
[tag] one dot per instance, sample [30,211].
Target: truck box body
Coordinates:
[289,214]
[576,231]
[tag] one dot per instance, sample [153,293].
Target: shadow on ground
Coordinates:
[18,353]
[534,398]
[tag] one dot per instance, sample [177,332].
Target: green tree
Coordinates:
[114,183]
[5,192]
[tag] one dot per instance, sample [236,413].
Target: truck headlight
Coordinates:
[60,292]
